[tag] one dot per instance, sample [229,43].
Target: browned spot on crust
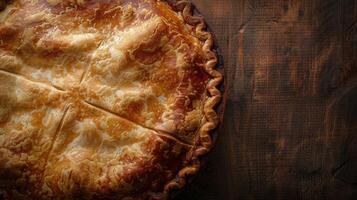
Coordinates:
[37,118]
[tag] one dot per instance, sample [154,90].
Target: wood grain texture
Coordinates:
[290,126]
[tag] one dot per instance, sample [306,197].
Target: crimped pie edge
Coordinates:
[204,141]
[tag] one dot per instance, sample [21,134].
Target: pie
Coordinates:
[103,99]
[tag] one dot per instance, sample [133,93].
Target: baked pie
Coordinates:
[103,99]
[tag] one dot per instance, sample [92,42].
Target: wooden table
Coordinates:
[290,126]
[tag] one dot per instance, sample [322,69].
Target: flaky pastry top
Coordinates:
[103,99]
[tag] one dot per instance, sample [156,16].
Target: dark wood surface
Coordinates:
[290,126]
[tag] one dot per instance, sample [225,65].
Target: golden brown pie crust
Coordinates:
[111,99]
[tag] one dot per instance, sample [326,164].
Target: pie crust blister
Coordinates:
[103,99]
